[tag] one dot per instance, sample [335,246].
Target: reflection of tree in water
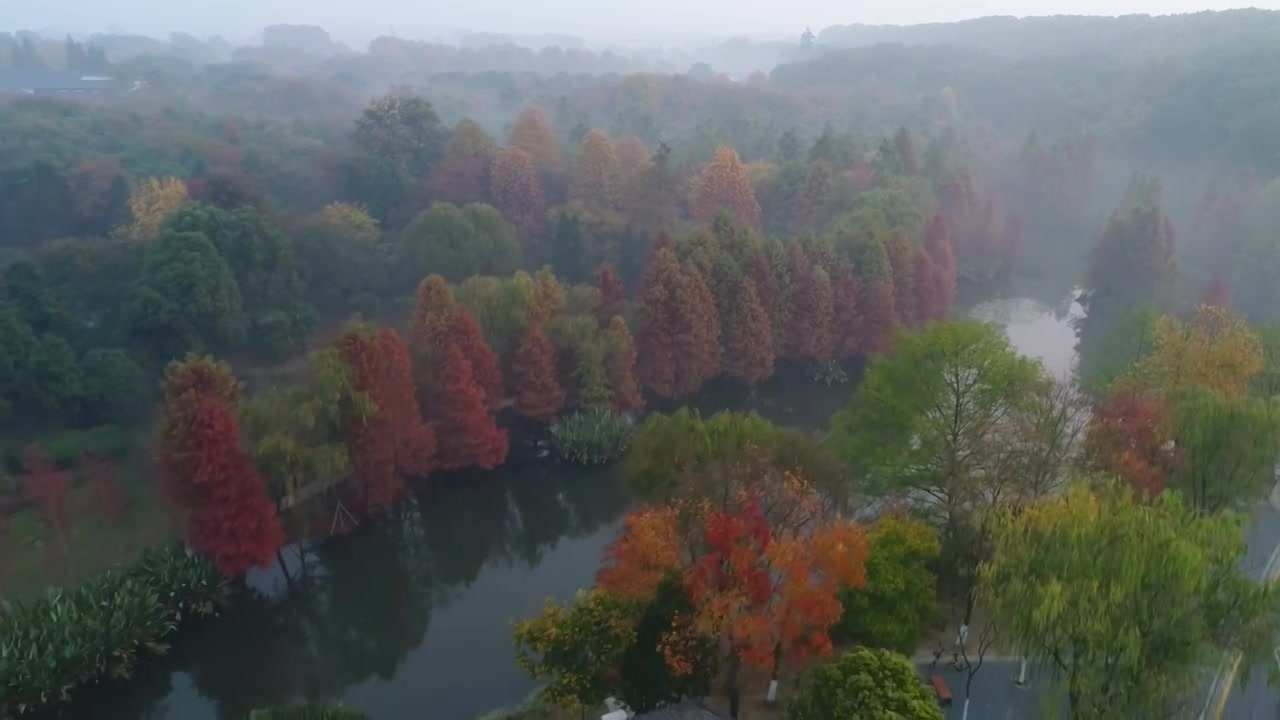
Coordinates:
[595,498]
[465,525]
[542,516]
[250,657]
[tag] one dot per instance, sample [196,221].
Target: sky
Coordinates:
[239,19]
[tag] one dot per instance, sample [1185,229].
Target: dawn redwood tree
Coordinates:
[467,435]
[878,318]
[900,252]
[371,439]
[723,185]
[532,134]
[232,520]
[659,317]
[517,192]
[596,175]
[433,318]
[845,299]
[462,175]
[538,394]
[697,343]
[620,368]
[938,245]
[485,369]
[926,283]
[795,275]
[812,316]
[632,154]
[749,344]
[610,287]
[186,383]
[415,442]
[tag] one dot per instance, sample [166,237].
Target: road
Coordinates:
[1255,700]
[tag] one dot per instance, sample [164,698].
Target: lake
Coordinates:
[411,616]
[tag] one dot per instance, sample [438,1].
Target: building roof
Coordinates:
[28,80]
[687,710]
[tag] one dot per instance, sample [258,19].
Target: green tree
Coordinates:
[576,648]
[899,602]
[1122,345]
[456,243]
[52,384]
[864,684]
[1266,384]
[113,384]
[1122,598]
[647,679]
[569,250]
[1225,448]
[185,299]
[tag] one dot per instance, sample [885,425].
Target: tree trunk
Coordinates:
[964,715]
[731,685]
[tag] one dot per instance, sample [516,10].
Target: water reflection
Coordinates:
[410,616]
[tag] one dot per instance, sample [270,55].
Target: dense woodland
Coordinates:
[292,275]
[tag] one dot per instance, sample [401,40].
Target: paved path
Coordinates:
[1229,699]
[994,695]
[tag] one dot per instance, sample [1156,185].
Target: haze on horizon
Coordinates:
[618,19]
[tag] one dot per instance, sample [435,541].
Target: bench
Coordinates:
[940,687]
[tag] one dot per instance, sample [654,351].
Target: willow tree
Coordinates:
[1124,599]
[1224,448]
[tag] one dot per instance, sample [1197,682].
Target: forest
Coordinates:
[261,295]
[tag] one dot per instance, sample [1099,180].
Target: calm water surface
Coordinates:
[411,617]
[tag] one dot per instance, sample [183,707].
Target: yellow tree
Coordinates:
[724,185]
[151,202]
[350,221]
[596,174]
[1214,349]
[533,134]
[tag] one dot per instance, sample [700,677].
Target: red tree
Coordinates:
[766,280]
[415,442]
[749,351]
[620,367]
[532,134]
[723,185]
[659,323]
[538,395]
[233,521]
[697,343]
[468,435]
[812,318]
[845,308]
[371,440]
[47,486]
[878,318]
[610,286]
[186,384]
[1126,437]
[517,193]
[485,370]
[937,243]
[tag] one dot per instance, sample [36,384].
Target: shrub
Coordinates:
[96,631]
[593,437]
[864,683]
[308,711]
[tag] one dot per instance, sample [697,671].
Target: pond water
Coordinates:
[411,617]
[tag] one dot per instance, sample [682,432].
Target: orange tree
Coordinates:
[761,568]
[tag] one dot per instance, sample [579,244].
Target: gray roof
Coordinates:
[21,80]
[687,710]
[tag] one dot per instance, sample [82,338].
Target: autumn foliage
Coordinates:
[1127,438]
[596,177]
[517,192]
[485,370]
[749,350]
[46,486]
[467,435]
[538,394]
[620,367]
[723,185]
[371,444]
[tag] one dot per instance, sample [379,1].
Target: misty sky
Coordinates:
[609,18]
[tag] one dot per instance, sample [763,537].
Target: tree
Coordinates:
[153,201]
[763,584]
[467,435]
[900,254]
[538,395]
[697,342]
[813,318]
[1123,598]
[863,684]
[749,350]
[1214,349]
[928,422]
[401,132]
[185,298]
[569,249]
[456,243]
[620,368]
[845,305]
[46,486]
[610,287]
[898,605]
[462,175]
[596,174]
[938,246]
[224,503]
[112,384]
[485,371]
[927,285]
[1225,449]
[370,435]
[517,192]
[1128,340]
[576,649]
[415,443]
[350,221]
[532,134]
[723,185]
[232,520]
[659,317]
[631,153]
[1127,438]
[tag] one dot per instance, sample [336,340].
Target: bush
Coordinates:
[861,685]
[308,711]
[593,437]
[69,638]
[108,442]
